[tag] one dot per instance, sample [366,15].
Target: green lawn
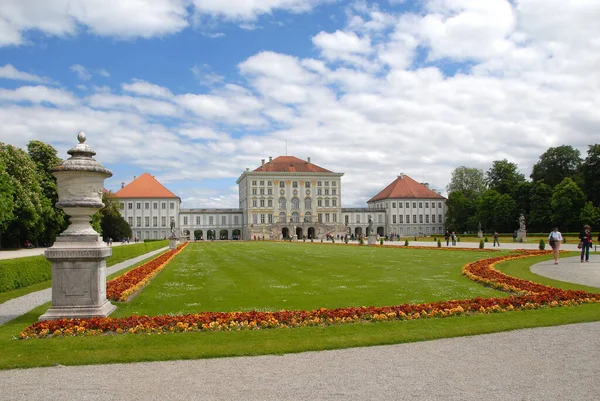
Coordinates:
[269,267]
[230,276]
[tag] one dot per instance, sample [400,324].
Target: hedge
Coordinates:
[22,272]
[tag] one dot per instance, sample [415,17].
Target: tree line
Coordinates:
[28,193]
[563,191]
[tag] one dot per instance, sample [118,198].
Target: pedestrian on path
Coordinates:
[496,239]
[447,237]
[453,238]
[554,239]
[585,242]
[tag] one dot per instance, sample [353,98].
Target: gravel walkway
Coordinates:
[571,270]
[551,363]
[19,306]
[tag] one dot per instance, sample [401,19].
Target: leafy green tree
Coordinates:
[556,164]
[504,177]
[112,224]
[461,214]
[6,200]
[539,218]
[567,201]
[27,222]
[590,171]
[496,211]
[589,214]
[45,158]
[469,181]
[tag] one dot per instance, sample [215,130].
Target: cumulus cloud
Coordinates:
[9,72]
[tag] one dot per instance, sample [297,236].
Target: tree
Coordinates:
[589,214]
[567,202]
[27,196]
[556,164]
[504,177]
[6,200]
[55,220]
[496,211]
[590,172]
[540,211]
[467,180]
[112,224]
[460,215]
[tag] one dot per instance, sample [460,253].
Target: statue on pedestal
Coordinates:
[172,226]
[522,223]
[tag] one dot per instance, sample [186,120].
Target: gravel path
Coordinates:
[551,363]
[571,270]
[19,306]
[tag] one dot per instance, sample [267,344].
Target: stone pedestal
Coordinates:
[295,238]
[173,242]
[479,234]
[372,239]
[521,235]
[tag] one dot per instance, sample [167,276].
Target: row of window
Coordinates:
[295,203]
[138,221]
[261,191]
[268,218]
[414,205]
[138,205]
[211,220]
[294,184]
[414,219]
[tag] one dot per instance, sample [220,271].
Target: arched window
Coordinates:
[282,217]
[308,204]
[308,217]
[295,203]
[282,204]
[295,217]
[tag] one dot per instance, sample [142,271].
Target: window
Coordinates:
[421,218]
[333,183]
[440,218]
[394,219]
[295,217]
[236,220]
[433,205]
[334,202]
[163,221]
[172,205]
[401,219]
[281,184]
[155,205]
[415,205]
[295,203]
[262,203]
[223,220]
[138,205]
[198,220]
[282,204]
[346,219]
[282,217]
[440,205]
[185,221]
[307,203]
[433,218]
[262,191]
[269,183]
[318,183]
[420,205]
[146,221]
[326,202]
[414,218]
[254,203]
[130,221]
[407,219]
[262,183]
[393,205]
[326,191]
[308,217]
[295,184]
[211,220]
[254,191]
[253,182]
[380,219]
[327,217]
[334,192]
[307,184]
[155,221]
[262,218]
[270,218]
[407,205]
[163,205]
[334,216]
[270,203]
[426,205]
[138,221]
[254,219]
[326,183]
[320,217]
[319,191]
[130,205]
[269,191]
[358,218]
[426,218]
[319,203]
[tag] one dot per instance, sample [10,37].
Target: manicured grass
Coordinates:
[129,348]
[266,276]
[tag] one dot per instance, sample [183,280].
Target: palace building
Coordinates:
[284,197]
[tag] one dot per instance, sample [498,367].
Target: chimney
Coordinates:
[262,162]
[134,177]
[401,176]
[309,159]
[123,184]
[247,168]
[425,184]
[270,159]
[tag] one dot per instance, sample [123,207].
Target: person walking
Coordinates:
[447,237]
[585,238]
[554,239]
[496,239]
[453,238]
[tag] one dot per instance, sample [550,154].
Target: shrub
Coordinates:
[22,272]
[415,237]
[458,238]
[564,240]
[405,242]
[332,240]
[542,245]
[362,241]
[481,244]
[380,241]
[485,238]
[439,243]
[311,240]
[153,240]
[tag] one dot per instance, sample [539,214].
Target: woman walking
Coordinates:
[585,238]
[554,239]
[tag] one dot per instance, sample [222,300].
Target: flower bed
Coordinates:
[121,288]
[532,296]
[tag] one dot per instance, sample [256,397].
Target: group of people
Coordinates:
[585,243]
[450,236]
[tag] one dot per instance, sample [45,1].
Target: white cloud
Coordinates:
[82,72]
[38,94]
[249,10]
[103,73]
[144,88]
[10,72]
[146,106]
[342,45]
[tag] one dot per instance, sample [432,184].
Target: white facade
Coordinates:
[413,217]
[150,218]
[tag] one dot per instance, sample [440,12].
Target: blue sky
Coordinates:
[195,91]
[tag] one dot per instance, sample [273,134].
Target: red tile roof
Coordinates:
[144,186]
[291,164]
[405,187]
